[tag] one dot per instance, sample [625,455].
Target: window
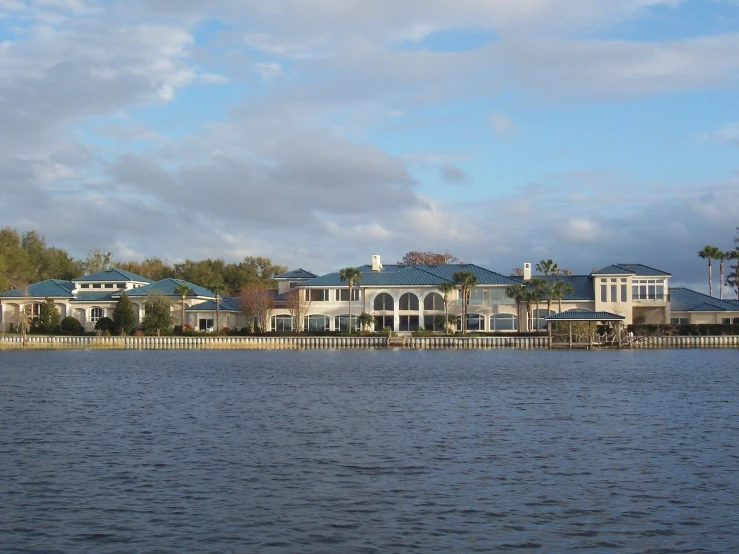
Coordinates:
[121,285]
[475,322]
[726,321]
[109,285]
[476,296]
[96,313]
[604,293]
[317,295]
[205,324]
[408,302]
[317,323]
[614,292]
[282,323]
[680,320]
[342,295]
[542,313]
[341,322]
[293,285]
[408,322]
[433,302]
[624,293]
[499,296]
[648,290]
[32,309]
[85,286]
[504,322]
[97,286]
[384,302]
[384,322]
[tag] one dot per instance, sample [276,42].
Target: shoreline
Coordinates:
[35,342]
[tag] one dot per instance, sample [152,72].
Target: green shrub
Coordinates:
[71,326]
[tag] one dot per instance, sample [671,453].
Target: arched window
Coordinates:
[341,322]
[433,302]
[282,322]
[409,302]
[317,322]
[475,322]
[504,322]
[384,302]
[96,313]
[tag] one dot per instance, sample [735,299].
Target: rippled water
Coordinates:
[369,451]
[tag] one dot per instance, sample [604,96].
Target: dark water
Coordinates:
[369,451]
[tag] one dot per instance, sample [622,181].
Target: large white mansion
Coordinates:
[400,297]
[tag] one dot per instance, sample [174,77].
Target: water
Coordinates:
[369,451]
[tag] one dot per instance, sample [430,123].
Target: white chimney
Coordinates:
[527,271]
[376,264]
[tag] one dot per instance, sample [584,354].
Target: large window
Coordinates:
[205,324]
[341,322]
[317,323]
[282,322]
[384,322]
[504,322]
[475,298]
[408,322]
[475,322]
[645,290]
[317,295]
[96,313]
[384,302]
[542,313]
[433,301]
[342,295]
[408,302]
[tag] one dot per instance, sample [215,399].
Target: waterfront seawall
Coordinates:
[296,343]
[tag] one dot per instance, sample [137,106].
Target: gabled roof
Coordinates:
[50,288]
[584,316]
[113,274]
[297,274]
[412,275]
[167,288]
[686,300]
[226,304]
[631,269]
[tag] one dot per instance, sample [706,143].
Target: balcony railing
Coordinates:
[652,298]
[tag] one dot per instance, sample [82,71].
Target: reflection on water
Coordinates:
[369,451]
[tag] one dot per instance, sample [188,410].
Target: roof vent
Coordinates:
[376,264]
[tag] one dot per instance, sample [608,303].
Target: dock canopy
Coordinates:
[584,316]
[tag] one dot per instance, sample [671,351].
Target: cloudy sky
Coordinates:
[320,132]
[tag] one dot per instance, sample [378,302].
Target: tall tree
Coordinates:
[560,289]
[465,280]
[257,301]
[96,261]
[547,267]
[352,276]
[539,286]
[446,289]
[184,291]
[123,316]
[297,303]
[709,253]
[732,279]
[49,316]
[416,257]
[721,256]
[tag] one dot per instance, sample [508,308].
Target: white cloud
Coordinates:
[501,124]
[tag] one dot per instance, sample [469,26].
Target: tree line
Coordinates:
[711,253]
[25,258]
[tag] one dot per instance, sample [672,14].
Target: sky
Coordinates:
[320,132]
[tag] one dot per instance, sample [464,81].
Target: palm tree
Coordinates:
[547,267]
[517,292]
[709,253]
[465,279]
[446,288]
[366,320]
[732,279]
[560,289]
[721,255]
[183,290]
[538,285]
[353,276]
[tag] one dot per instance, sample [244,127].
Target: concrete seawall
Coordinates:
[294,343]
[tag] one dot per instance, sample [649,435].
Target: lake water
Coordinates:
[369,451]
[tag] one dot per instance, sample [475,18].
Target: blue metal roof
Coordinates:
[113,274]
[226,304]
[631,269]
[299,273]
[167,288]
[50,288]
[412,275]
[584,316]
[687,300]
[96,296]
[582,285]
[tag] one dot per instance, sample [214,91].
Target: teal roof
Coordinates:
[582,285]
[227,304]
[411,275]
[116,275]
[686,300]
[631,269]
[584,316]
[96,296]
[50,288]
[167,288]
[297,274]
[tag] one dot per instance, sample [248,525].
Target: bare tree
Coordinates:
[257,301]
[298,305]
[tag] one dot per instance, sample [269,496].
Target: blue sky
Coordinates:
[318,133]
